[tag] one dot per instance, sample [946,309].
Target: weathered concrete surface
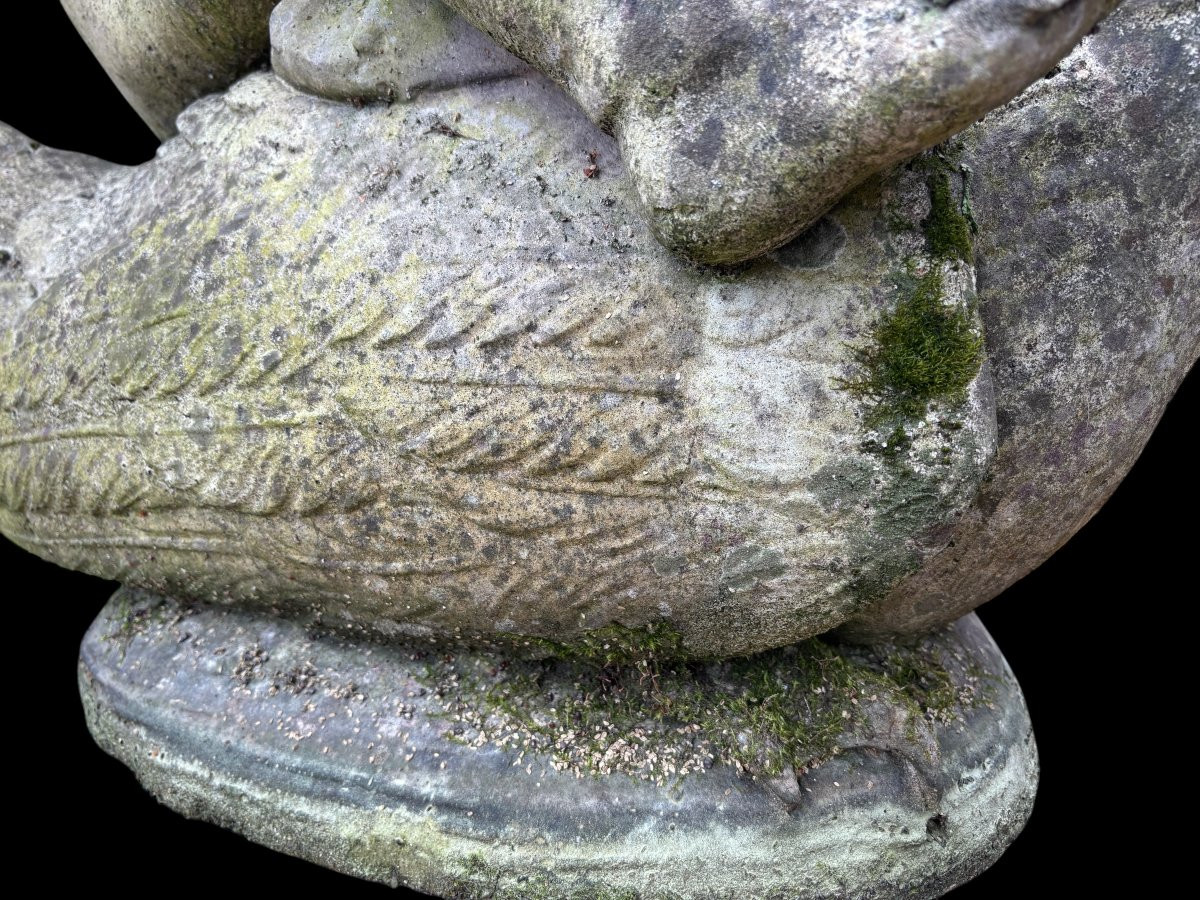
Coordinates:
[381,49]
[742,121]
[1087,194]
[356,759]
[407,369]
[54,180]
[163,54]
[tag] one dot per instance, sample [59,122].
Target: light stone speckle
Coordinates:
[388,50]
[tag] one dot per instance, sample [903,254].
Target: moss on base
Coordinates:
[369,785]
[659,718]
[616,645]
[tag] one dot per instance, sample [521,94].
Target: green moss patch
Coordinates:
[922,350]
[616,645]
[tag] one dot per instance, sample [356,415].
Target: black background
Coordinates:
[1077,632]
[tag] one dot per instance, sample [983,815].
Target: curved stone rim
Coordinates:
[463,822]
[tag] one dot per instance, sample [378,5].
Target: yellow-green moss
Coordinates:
[949,226]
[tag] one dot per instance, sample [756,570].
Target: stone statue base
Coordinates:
[813,771]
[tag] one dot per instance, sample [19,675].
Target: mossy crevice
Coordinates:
[616,644]
[949,226]
[914,375]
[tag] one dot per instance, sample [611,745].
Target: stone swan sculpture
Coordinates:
[418,374]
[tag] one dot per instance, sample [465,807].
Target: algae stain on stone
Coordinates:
[746,566]
[477,879]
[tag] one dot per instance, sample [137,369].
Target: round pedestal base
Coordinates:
[813,771]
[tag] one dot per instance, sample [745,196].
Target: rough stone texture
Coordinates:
[742,121]
[1087,194]
[55,180]
[408,369]
[345,757]
[381,49]
[163,54]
